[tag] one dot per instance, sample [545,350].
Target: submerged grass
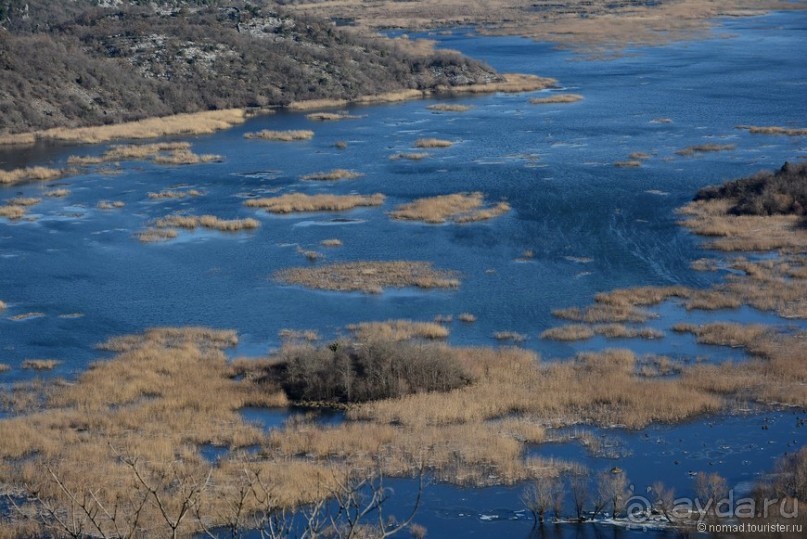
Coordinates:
[369,277]
[774,130]
[299,202]
[705,148]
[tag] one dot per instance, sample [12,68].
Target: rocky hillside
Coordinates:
[93,62]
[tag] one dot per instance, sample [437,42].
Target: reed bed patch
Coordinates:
[4,367]
[330,116]
[198,123]
[398,330]
[332,175]
[448,107]
[332,242]
[12,213]
[29,174]
[340,145]
[505,83]
[110,204]
[299,202]
[724,333]
[3,305]
[211,222]
[604,312]
[457,208]
[468,318]
[40,364]
[409,156]
[570,332]
[633,163]
[57,193]
[639,156]
[774,130]
[369,277]
[433,143]
[705,148]
[162,153]
[557,98]
[156,235]
[729,232]
[24,201]
[281,136]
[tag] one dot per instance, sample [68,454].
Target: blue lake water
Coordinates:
[591,226]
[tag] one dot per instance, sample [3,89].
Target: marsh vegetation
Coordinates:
[300,202]
[455,208]
[369,277]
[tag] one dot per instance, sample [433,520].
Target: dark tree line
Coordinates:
[74,63]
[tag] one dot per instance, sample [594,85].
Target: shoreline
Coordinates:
[208,122]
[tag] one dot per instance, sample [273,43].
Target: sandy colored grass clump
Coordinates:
[24,201]
[433,143]
[162,153]
[110,204]
[3,305]
[639,156]
[729,232]
[369,277]
[705,148]
[198,123]
[281,136]
[299,202]
[448,107]
[57,193]
[774,130]
[557,98]
[468,318]
[569,332]
[155,235]
[398,330]
[333,175]
[210,222]
[29,174]
[332,242]
[40,364]
[455,208]
[12,213]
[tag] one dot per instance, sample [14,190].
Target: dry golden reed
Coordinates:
[557,98]
[29,174]
[433,143]
[199,123]
[299,202]
[456,208]
[398,330]
[369,277]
